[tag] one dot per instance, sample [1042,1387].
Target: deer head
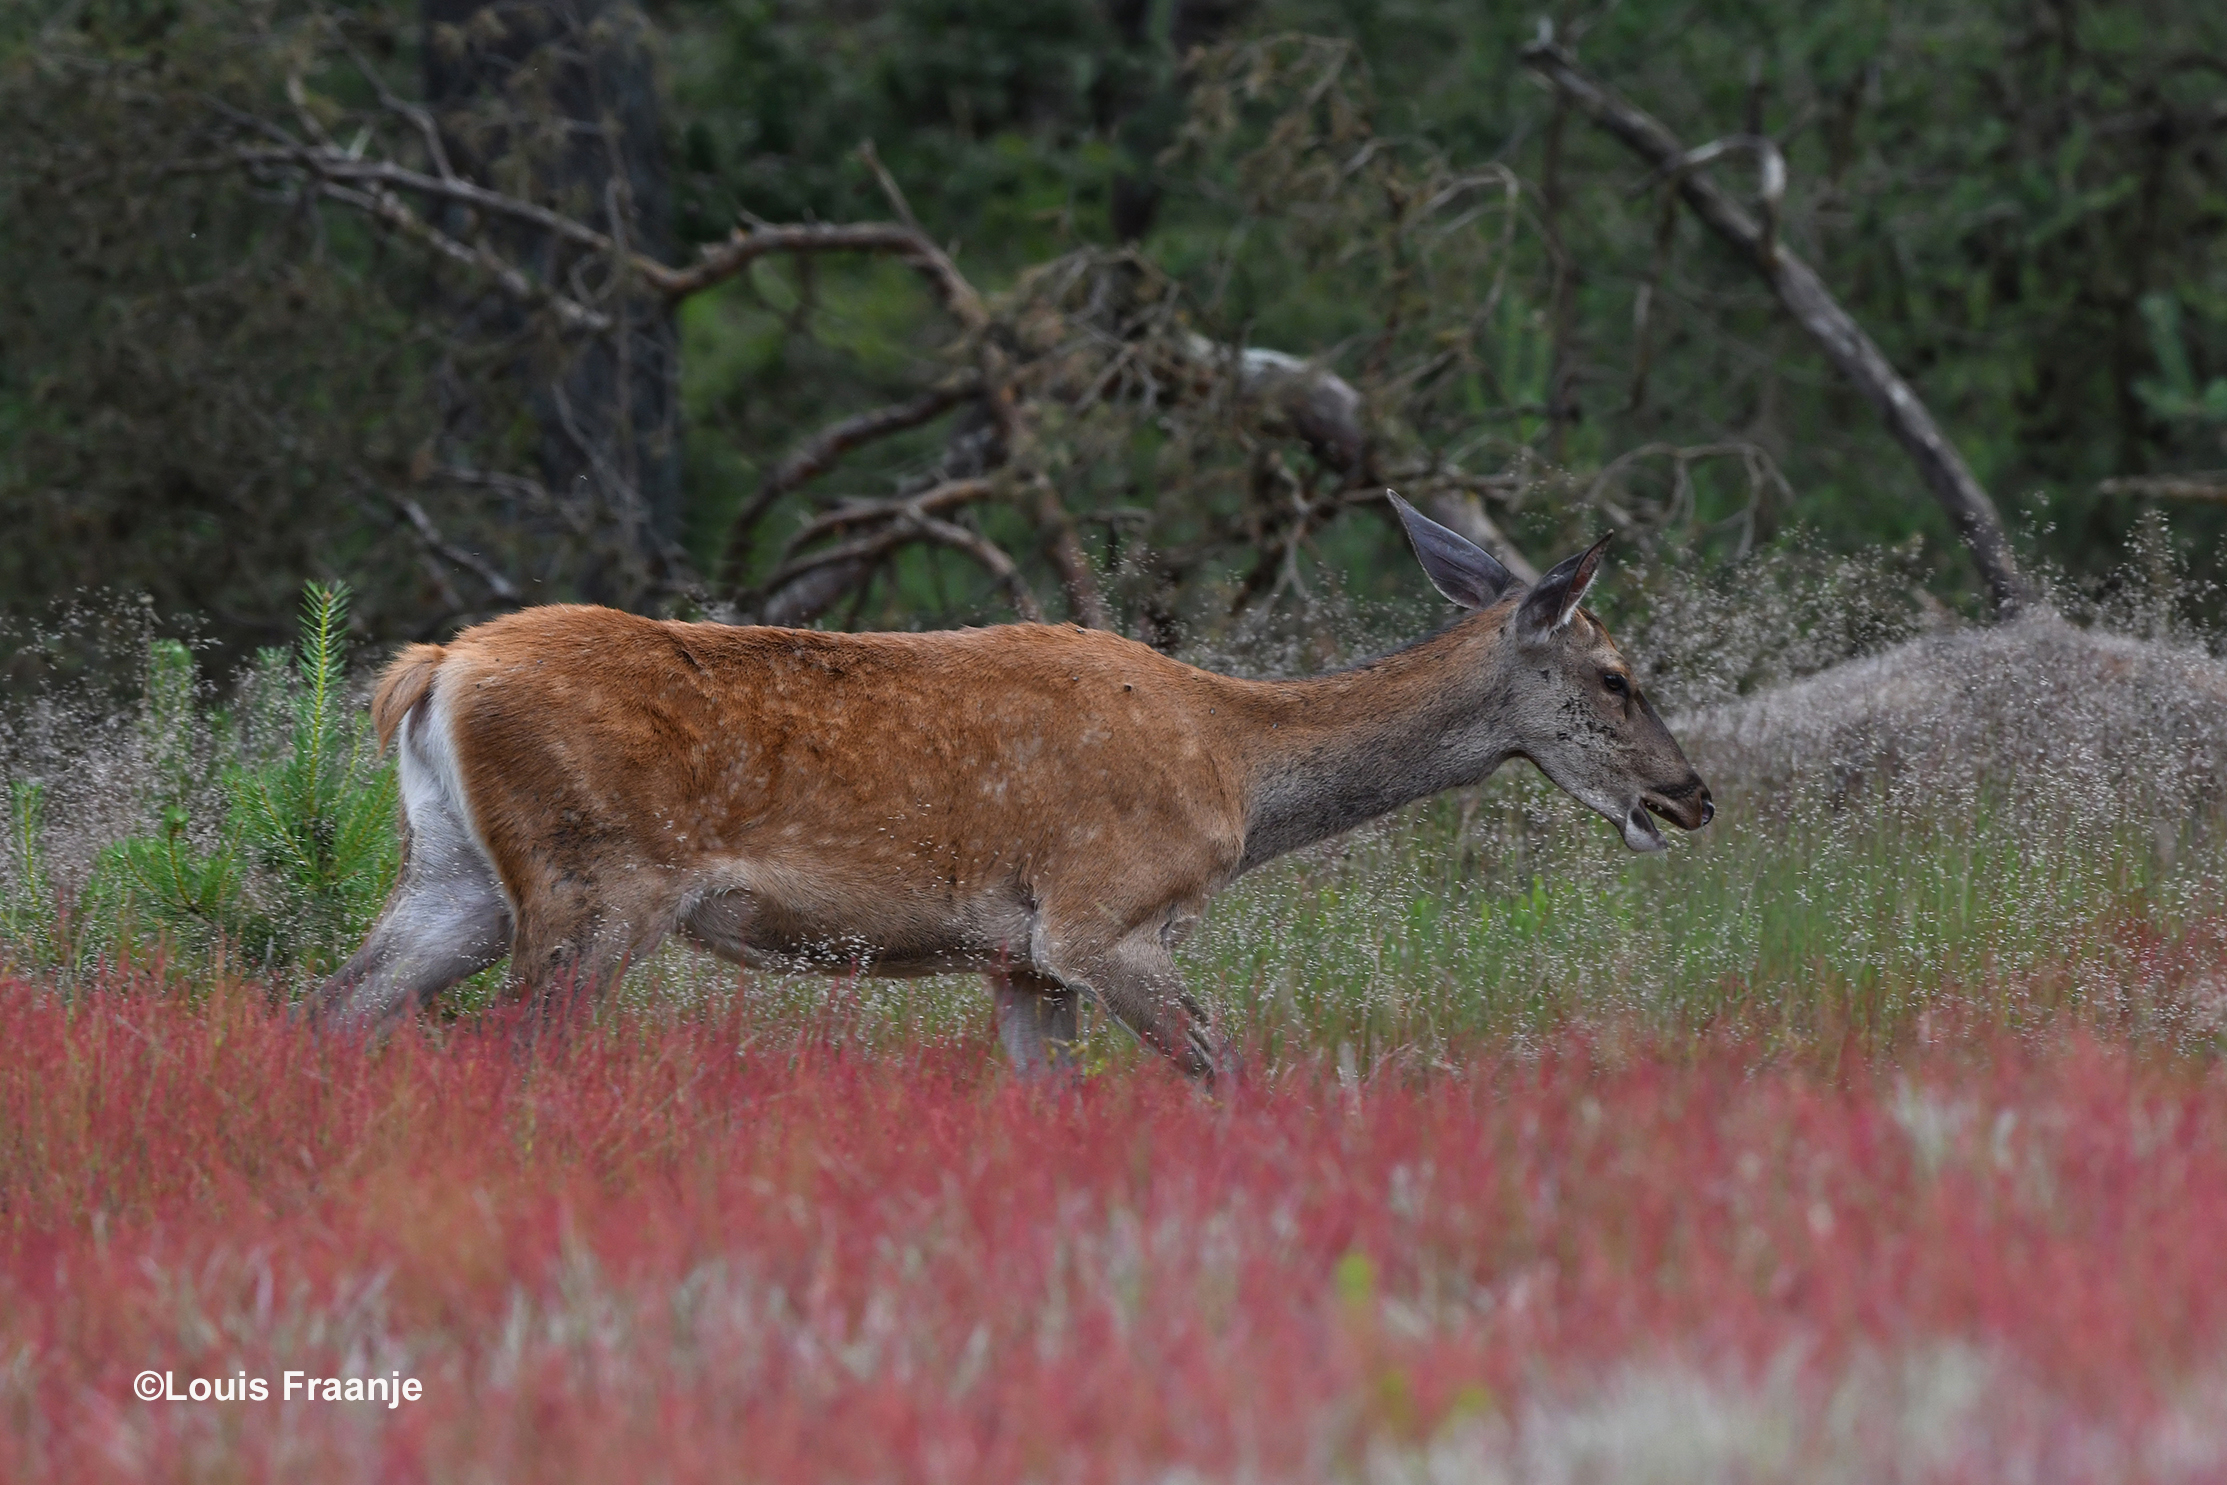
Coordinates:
[1572,704]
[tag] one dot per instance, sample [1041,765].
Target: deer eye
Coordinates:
[1617,685]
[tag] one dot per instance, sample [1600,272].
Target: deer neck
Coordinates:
[1330,752]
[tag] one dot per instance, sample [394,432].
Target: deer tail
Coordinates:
[405,684]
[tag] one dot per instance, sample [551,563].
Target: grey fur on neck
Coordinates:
[1350,746]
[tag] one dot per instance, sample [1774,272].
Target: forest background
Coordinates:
[1233,266]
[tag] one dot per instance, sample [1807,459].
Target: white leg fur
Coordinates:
[449,916]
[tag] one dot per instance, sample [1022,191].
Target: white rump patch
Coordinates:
[446,846]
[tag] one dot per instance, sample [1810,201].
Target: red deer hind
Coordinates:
[1051,806]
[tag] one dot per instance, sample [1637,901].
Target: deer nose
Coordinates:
[1708,806]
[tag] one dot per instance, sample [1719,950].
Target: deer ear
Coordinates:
[1457,567]
[1548,606]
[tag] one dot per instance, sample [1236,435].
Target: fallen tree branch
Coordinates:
[723,261]
[1844,342]
[804,586]
[949,495]
[1305,400]
[990,555]
[1109,341]
[412,512]
[1302,399]
[817,454]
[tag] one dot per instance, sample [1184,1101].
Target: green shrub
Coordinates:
[271,841]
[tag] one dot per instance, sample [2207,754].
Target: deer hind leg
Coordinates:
[1036,1017]
[446,918]
[1137,981]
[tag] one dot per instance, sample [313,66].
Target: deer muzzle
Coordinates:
[1688,806]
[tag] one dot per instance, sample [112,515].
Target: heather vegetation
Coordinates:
[695,1247]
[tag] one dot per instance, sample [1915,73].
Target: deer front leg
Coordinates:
[1036,1018]
[1136,980]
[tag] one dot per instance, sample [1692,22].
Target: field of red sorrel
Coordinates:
[685,1248]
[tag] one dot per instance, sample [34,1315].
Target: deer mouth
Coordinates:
[1688,808]
[1639,831]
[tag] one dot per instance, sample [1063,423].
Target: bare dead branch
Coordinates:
[298,95]
[807,596]
[1762,475]
[414,513]
[1302,400]
[852,514]
[991,556]
[333,164]
[1770,175]
[723,261]
[890,189]
[1844,342]
[416,116]
[805,586]
[1322,410]
[389,208]
[817,454]
[716,264]
[1106,342]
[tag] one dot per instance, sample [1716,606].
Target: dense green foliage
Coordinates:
[213,395]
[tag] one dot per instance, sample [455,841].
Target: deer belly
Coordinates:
[877,933]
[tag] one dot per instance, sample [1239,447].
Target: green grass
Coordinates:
[1503,916]
[1513,913]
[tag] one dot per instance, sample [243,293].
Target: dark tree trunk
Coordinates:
[1141,97]
[556,101]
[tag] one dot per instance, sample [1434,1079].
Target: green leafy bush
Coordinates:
[268,830]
